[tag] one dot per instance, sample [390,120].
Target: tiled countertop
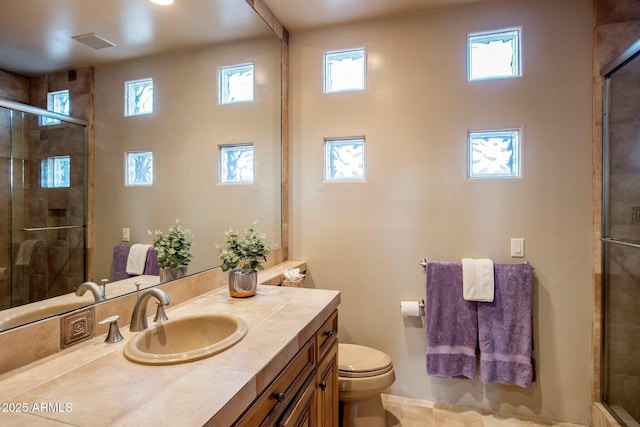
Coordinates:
[93,384]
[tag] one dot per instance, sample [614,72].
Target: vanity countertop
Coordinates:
[93,383]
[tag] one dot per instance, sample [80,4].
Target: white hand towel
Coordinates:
[137,259]
[477,279]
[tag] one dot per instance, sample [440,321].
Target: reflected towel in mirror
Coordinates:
[25,253]
[137,259]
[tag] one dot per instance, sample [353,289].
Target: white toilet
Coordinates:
[363,373]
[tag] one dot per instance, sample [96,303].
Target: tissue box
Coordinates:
[297,283]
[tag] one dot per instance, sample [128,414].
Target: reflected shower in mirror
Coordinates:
[44,208]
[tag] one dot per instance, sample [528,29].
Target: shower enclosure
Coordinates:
[621,241]
[43,187]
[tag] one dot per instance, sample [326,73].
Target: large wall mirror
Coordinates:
[187,130]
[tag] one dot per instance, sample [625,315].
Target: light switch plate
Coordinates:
[517,247]
[125,235]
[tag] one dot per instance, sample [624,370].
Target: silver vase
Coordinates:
[242,284]
[169,273]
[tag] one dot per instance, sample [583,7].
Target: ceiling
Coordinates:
[301,15]
[36,37]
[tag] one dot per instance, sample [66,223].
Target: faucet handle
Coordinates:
[104,286]
[138,284]
[114,334]
[161,315]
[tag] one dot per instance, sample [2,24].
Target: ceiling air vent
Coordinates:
[94,41]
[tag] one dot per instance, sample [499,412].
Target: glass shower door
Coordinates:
[621,241]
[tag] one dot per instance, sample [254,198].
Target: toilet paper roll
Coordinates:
[410,308]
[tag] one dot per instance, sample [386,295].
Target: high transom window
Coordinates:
[138,97]
[344,70]
[138,168]
[55,172]
[344,159]
[235,164]
[494,55]
[236,84]
[58,102]
[494,154]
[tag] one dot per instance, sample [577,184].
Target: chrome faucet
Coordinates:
[139,315]
[97,291]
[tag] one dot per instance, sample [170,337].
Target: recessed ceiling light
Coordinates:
[162,2]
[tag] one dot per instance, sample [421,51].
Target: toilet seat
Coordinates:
[357,361]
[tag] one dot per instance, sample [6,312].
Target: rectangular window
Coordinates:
[138,168]
[138,97]
[58,102]
[55,172]
[236,83]
[493,55]
[344,159]
[235,164]
[344,70]
[494,154]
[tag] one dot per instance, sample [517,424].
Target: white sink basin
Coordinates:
[185,339]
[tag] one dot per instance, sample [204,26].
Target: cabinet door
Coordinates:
[327,388]
[285,388]
[302,412]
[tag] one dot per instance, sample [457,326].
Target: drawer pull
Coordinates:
[323,385]
[279,396]
[329,333]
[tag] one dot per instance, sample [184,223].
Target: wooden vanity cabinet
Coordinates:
[327,373]
[305,393]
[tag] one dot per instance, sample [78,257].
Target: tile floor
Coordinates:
[405,412]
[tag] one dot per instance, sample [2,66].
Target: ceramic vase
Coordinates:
[242,284]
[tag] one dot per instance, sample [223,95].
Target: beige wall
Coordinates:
[366,239]
[187,115]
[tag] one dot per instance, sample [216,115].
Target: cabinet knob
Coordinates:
[329,333]
[279,396]
[323,385]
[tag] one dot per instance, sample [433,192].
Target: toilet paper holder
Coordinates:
[413,309]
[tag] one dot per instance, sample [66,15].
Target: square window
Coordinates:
[494,55]
[344,70]
[138,168]
[55,172]
[344,159]
[138,97]
[58,102]
[494,154]
[235,164]
[236,83]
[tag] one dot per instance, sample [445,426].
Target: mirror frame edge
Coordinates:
[274,23]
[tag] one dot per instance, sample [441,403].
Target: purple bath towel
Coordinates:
[505,328]
[452,328]
[119,265]
[151,267]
